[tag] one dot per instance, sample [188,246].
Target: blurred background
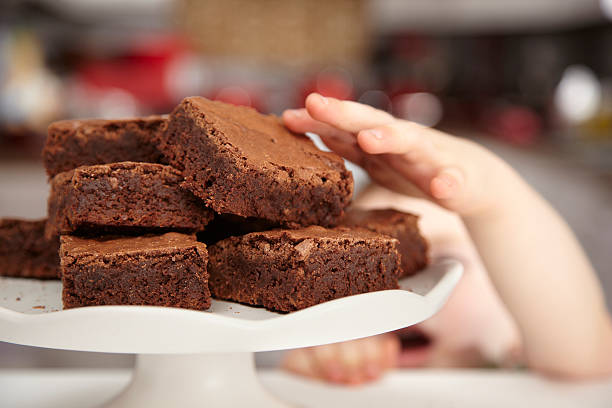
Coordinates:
[531,80]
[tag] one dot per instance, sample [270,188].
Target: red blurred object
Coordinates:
[397,90]
[335,85]
[518,125]
[142,71]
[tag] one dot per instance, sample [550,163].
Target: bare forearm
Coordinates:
[547,283]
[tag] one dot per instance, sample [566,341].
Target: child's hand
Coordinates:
[400,155]
[352,362]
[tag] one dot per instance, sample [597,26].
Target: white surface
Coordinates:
[35,319]
[416,389]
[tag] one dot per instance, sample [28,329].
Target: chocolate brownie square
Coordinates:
[25,252]
[74,143]
[286,270]
[155,270]
[122,198]
[248,164]
[397,224]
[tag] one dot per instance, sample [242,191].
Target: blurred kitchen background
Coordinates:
[532,80]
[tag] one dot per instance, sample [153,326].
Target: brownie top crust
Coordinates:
[76,246]
[319,233]
[97,170]
[261,138]
[306,239]
[375,218]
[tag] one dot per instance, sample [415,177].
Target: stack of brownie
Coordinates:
[211,199]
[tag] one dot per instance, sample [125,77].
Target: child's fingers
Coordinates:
[391,350]
[299,362]
[352,359]
[299,121]
[345,115]
[399,137]
[352,362]
[447,184]
[351,152]
[374,357]
[416,152]
[328,363]
[341,142]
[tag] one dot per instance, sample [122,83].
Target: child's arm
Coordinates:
[536,264]
[545,279]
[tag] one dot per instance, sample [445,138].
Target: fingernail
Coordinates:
[322,99]
[373,133]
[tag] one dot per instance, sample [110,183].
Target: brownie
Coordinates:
[155,270]
[248,164]
[400,225]
[121,198]
[74,143]
[286,270]
[25,252]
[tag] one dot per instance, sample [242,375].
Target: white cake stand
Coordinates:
[190,358]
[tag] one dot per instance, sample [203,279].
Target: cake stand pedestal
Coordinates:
[194,380]
[192,358]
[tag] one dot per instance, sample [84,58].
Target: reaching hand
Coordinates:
[404,156]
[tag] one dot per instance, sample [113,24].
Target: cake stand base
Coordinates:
[194,380]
